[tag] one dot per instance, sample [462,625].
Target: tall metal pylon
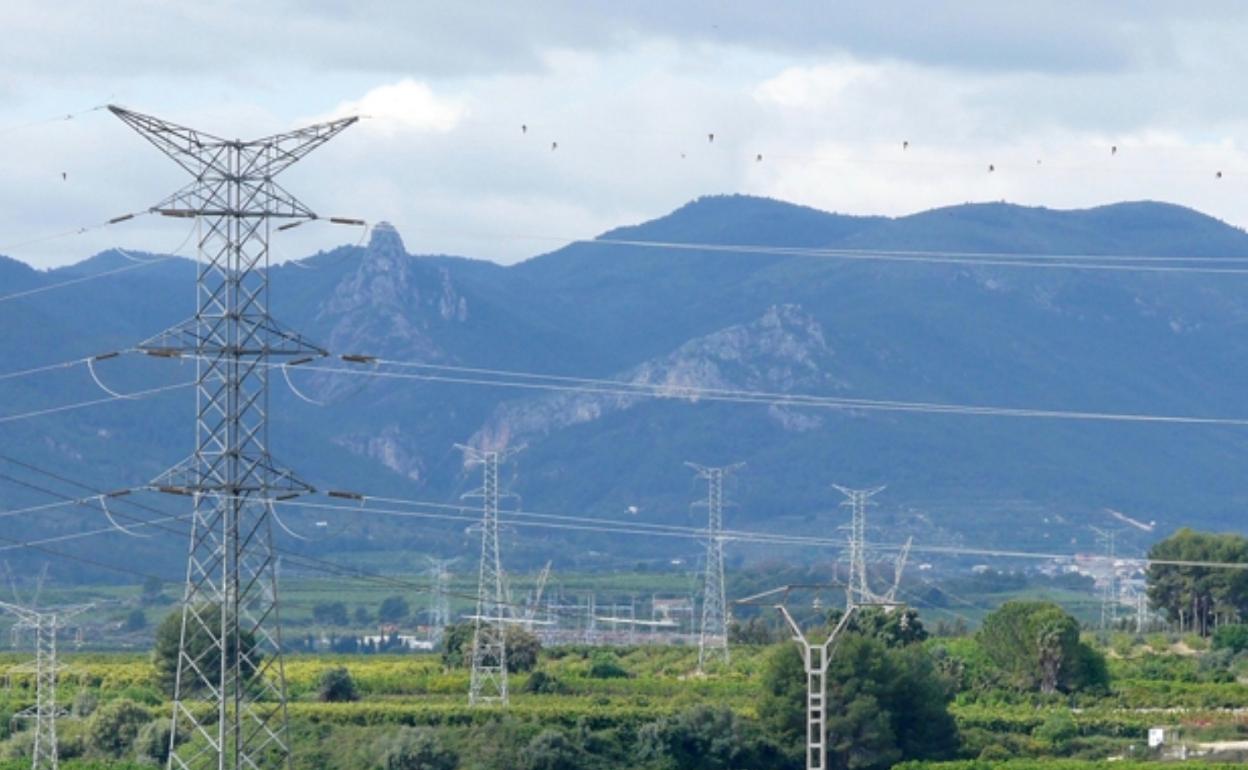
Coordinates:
[1109,591]
[713,632]
[44,623]
[229,700]
[858,589]
[439,602]
[489,637]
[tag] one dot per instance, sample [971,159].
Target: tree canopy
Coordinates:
[1197,597]
[1035,646]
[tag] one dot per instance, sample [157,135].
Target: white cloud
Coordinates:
[407,105]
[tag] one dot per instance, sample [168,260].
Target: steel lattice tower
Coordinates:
[713,632]
[230,691]
[44,624]
[440,609]
[858,589]
[1109,592]
[489,640]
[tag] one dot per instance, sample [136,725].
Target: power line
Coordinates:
[94,402]
[693,393]
[138,264]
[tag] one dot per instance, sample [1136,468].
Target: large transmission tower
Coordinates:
[858,589]
[1109,591]
[440,609]
[489,637]
[230,690]
[44,623]
[713,632]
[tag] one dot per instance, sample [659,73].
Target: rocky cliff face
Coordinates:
[784,351]
[390,305]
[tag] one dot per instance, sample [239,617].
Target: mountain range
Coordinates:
[773,319]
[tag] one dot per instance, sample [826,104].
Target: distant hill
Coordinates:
[1121,341]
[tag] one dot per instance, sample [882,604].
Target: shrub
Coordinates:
[337,686]
[1233,637]
[1057,731]
[151,745]
[540,682]
[416,748]
[552,750]
[605,666]
[113,727]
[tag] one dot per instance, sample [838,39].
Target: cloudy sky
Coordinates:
[825,92]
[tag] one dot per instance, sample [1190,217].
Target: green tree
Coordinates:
[337,686]
[1035,646]
[199,646]
[552,750]
[1196,596]
[113,728]
[1232,636]
[136,620]
[700,738]
[1057,731]
[416,748]
[885,704]
[393,609]
[523,647]
[330,613]
[754,631]
[896,627]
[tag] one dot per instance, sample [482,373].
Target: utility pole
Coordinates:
[713,631]
[1109,591]
[489,638]
[229,702]
[816,657]
[44,623]
[858,590]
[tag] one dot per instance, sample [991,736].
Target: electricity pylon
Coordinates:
[489,637]
[713,632]
[858,589]
[44,623]
[229,698]
[816,657]
[1109,591]
[439,610]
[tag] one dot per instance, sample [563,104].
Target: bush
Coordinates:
[85,703]
[1057,731]
[151,745]
[113,727]
[542,683]
[552,750]
[1233,637]
[605,666]
[337,686]
[393,609]
[416,748]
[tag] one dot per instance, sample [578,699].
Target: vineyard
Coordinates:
[621,708]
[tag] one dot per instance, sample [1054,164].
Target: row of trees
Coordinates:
[1199,597]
